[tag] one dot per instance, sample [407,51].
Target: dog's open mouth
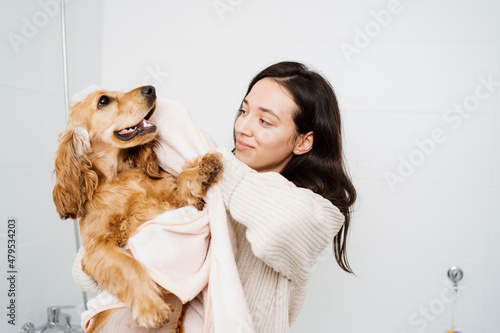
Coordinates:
[143,127]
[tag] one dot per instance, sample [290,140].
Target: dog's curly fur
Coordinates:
[107,174]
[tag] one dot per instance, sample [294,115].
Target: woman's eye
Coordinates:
[241,111]
[265,123]
[104,100]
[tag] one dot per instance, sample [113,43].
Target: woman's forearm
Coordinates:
[287,226]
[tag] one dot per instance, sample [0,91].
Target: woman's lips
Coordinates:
[242,146]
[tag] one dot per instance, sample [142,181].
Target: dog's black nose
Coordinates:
[148,91]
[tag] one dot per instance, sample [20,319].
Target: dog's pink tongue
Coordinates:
[145,123]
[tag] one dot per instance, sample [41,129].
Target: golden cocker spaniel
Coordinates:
[107,174]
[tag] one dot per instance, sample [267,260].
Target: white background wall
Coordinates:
[417,72]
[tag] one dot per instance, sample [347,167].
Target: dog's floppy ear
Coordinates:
[144,158]
[75,179]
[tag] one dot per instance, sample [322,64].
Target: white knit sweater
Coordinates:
[280,231]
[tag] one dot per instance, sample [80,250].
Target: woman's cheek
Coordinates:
[264,137]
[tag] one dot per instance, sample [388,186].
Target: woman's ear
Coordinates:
[304,143]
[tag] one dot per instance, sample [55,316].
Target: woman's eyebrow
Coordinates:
[263,109]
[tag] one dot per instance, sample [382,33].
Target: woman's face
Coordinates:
[265,130]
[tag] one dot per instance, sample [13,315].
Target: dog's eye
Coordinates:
[104,100]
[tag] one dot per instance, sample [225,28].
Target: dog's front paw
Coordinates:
[152,313]
[210,170]
[196,177]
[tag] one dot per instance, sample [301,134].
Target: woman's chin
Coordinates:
[243,156]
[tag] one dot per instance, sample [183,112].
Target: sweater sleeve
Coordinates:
[287,226]
[82,280]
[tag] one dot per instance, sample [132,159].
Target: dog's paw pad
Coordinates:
[210,168]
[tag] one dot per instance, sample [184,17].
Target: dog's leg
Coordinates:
[125,278]
[196,177]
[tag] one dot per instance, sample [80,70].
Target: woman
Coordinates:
[285,188]
[284,199]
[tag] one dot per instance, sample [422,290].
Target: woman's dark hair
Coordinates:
[322,169]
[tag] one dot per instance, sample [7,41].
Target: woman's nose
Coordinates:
[243,126]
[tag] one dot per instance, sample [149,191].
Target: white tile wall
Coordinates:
[416,76]
[496,153]
[193,21]
[392,289]
[422,218]
[492,296]
[494,228]
[30,119]
[424,20]
[416,155]
[23,69]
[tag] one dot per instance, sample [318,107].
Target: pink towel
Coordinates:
[185,250]
[174,248]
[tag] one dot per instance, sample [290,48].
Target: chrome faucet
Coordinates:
[57,322]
